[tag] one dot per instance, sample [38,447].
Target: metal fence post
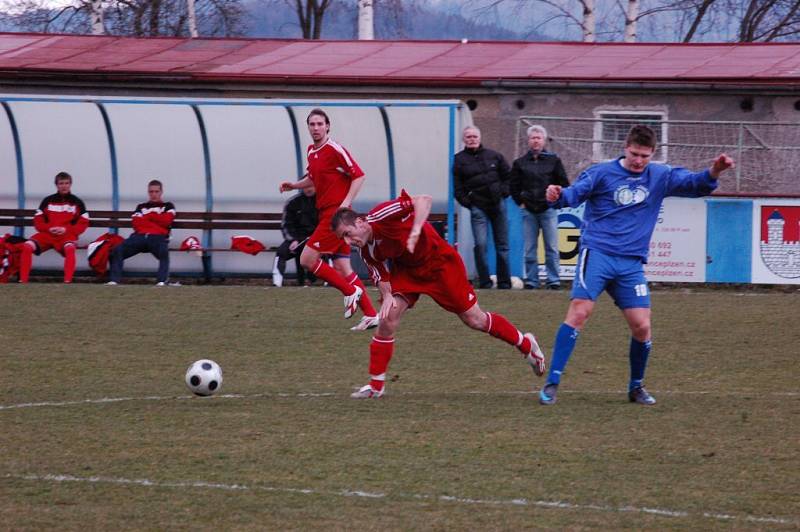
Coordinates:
[739,157]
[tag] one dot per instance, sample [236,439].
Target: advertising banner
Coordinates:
[677,249]
[776,241]
[678,245]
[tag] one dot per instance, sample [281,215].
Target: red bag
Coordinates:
[247,244]
[99,252]
[10,250]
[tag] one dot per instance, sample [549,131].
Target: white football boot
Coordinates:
[366,392]
[351,302]
[535,358]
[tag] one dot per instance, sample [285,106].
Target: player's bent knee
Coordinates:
[641,331]
[388,327]
[577,318]
[475,321]
[308,262]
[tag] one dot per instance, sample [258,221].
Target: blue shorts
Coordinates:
[622,277]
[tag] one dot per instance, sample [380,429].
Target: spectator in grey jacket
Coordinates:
[531,174]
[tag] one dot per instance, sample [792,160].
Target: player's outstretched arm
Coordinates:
[305,182]
[422,208]
[722,163]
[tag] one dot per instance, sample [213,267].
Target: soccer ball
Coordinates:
[204,377]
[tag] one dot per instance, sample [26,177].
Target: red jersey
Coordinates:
[153,218]
[391,223]
[62,211]
[331,168]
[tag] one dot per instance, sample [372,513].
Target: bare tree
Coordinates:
[696,13]
[96,17]
[768,20]
[310,14]
[192,16]
[366,24]
[581,13]
[631,17]
[139,18]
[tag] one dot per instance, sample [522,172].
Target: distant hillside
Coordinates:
[428,20]
[277,19]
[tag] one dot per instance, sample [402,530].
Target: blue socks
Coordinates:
[565,344]
[639,353]
[566,337]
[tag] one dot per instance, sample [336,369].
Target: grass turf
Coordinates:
[459,441]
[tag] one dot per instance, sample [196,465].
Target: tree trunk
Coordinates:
[155,18]
[97,18]
[698,18]
[589,22]
[631,16]
[192,18]
[366,26]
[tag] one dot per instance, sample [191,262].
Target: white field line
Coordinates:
[441,498]
[104,400]
[303,395]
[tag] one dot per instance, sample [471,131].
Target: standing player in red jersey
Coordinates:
[59,220]
[422,262]
[337,179]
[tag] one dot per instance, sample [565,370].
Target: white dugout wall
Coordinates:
[215,155]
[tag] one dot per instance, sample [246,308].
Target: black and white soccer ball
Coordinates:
[204,377]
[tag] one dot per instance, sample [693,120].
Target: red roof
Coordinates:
[397,62]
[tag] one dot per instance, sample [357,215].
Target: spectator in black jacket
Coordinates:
[480,180]
[299,221]
[531,174]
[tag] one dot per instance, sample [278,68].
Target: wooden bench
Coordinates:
[204,221]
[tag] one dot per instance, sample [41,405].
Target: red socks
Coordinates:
[345,286]
[501,328]
[365,303]
[69,262]
[332,277]
[380,353]
[25,260]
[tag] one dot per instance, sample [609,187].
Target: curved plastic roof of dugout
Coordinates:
[433,63]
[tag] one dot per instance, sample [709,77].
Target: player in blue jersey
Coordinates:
[622,198]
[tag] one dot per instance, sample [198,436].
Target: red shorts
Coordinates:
[324,240]
[443,279]
[45,241]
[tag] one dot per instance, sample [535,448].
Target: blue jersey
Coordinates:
[622,207]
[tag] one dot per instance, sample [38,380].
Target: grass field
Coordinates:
[97,430]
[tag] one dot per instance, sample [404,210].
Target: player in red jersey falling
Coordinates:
[337,179]
[422,262]
[59,220]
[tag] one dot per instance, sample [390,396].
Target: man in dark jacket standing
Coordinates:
[531,174]
[299,221]
[480,180]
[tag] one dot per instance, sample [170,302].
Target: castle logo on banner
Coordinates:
[780,240]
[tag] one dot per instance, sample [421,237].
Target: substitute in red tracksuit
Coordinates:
[337,179]
[408,258]
[151,226]
[59,220]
